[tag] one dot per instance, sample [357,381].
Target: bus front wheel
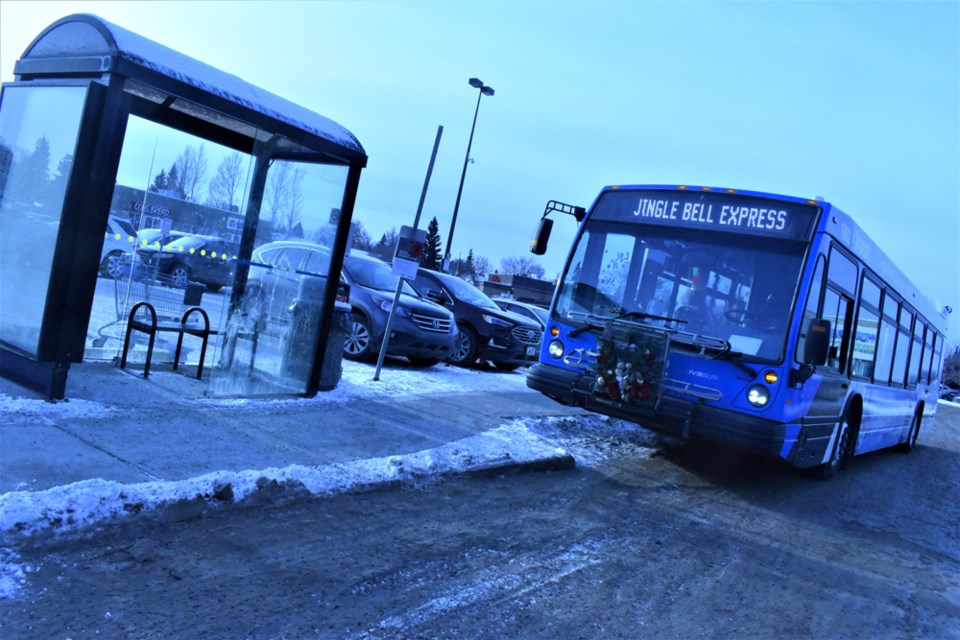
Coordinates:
[840,454]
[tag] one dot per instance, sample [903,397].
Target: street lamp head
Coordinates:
[487,91]
[476,83]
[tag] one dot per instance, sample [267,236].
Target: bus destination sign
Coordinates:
[708,210]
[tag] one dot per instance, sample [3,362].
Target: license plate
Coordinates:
[531,351]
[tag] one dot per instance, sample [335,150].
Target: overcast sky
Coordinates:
[857,102]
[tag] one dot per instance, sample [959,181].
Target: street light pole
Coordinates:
[484,91]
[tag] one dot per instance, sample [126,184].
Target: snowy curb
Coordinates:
[75,506]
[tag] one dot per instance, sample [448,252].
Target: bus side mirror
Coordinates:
[817,344]
[538,246]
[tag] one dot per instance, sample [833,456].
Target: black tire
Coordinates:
[179,274]
[911,443]
[840,455]
[358,344]
[110,265]
[465,350]
[422,362]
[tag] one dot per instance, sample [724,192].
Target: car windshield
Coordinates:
[374,274]
[189,242]
[125,226]
[543,314]
[466,292]
[728,286]
[156,237]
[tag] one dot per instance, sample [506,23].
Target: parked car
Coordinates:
[157,238]
[528,310]
[191,258]
[118,240]
[422,331]
[487,332]
[277,273]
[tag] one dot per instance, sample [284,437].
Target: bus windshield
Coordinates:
[735,287]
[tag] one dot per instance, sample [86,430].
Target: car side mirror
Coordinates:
[817,344]
[538,246]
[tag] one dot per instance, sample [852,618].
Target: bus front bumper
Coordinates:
[686,418]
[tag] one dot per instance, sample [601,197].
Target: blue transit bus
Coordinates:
[768,322]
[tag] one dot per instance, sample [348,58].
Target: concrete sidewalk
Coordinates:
[118,427]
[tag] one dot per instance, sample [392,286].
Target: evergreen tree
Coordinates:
[33,177]
[386,245]
[159,181]
[469,268]
[432,256]
[175,181]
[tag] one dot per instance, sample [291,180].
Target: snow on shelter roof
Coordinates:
[84,44]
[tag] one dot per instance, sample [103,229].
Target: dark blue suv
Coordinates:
[487,332]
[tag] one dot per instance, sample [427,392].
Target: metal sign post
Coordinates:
[406,258]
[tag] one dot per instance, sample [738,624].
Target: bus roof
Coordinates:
[838,225]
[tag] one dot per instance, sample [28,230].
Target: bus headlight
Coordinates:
[758,396]
[555,349]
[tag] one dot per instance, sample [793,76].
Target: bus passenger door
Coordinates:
[838,309]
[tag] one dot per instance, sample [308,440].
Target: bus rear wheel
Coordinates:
[840,454]
[911,443]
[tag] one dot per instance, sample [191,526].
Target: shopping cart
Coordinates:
[165,307]
[169,299]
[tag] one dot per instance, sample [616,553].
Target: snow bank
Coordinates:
[81,504]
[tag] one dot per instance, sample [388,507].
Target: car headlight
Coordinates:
[495,321]
[401,312]
[555,349]
[758,396]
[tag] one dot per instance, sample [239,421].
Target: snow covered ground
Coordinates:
[81,504]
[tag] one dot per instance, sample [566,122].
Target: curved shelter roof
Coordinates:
[84,45]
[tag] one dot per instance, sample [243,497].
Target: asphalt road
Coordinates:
[637,542]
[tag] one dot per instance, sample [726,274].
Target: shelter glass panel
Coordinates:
[38,138]
[171,240]
[271,333]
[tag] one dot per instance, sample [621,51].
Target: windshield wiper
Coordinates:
[589,326]
[733,357]
[640,315]
[593,322]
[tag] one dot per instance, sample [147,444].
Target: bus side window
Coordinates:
[902,349]
[813,307]
[887,340]
[937,356]
[932,361]
[916,353]
[868,322]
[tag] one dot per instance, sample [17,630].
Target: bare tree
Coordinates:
[293,203]
[522,266]
[223,191]
[191,167]
[481,268]
[276,190]
[361,237]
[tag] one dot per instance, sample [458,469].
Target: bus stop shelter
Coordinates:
[104,126]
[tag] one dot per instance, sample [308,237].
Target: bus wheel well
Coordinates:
[914,432]
[853,416]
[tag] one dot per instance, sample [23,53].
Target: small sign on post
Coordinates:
[406,259]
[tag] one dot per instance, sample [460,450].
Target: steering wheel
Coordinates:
[689,313]
[740,317]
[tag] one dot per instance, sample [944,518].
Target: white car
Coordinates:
[118,240]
